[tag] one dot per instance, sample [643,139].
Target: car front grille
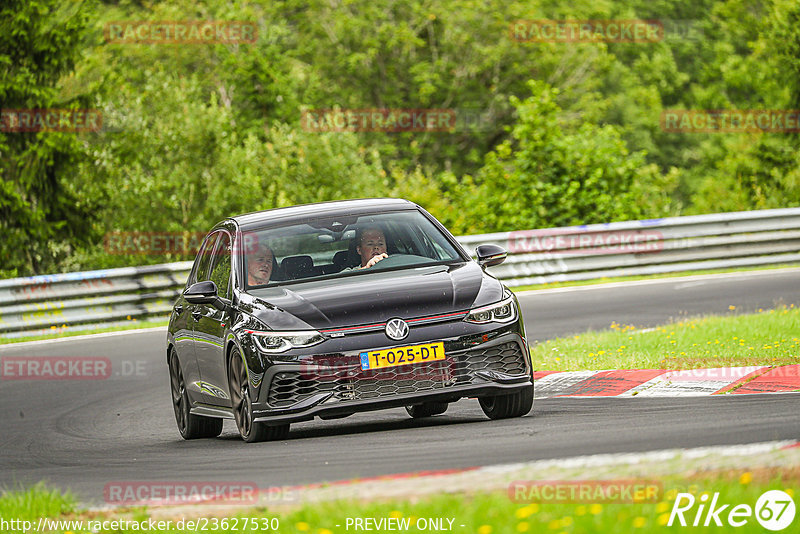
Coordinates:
[348,382]
[506,358]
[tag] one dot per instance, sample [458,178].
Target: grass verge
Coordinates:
[764,338]
[473,513]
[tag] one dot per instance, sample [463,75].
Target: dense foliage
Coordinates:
[42,212]
[564,132]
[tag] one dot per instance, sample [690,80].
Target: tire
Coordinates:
[190,426]
[242,405]
[505,406]
[426,409]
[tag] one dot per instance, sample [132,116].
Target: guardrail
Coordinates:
[674,244]
[95,299]
[49,304]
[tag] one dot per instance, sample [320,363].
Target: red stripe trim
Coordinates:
[432,317]
[435,317]
[745,378]
[612,383]
[784,378]
[354,327]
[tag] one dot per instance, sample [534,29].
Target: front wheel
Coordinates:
[190,426]
[242,405]
[505,406]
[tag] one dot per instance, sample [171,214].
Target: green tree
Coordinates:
[42,213]
[556,171]
[175,159]
[199,131]
[764,173]
[746,171]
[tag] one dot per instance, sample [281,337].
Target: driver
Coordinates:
[371,247]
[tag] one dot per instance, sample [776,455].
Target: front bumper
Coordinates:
[296,392]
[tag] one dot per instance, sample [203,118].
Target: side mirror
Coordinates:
[205,293]
[490,255]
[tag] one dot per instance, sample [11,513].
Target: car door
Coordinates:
[209,336]
[184,321]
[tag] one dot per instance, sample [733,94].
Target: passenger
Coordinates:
[260,266]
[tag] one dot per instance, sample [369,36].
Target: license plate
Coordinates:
[378,359]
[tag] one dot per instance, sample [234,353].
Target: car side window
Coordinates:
[221,265]
[204,258]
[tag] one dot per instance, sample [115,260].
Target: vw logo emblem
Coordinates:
[397,329]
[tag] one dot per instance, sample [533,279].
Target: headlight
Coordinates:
[276,342]
[501,312]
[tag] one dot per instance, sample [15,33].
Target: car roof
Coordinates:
[322,209]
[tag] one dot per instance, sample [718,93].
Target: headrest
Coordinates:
[297,266]
[340,259]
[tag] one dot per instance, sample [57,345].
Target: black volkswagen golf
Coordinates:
[336,308]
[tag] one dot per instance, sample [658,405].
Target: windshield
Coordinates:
[343,246]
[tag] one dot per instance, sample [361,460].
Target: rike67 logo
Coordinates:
[774,510]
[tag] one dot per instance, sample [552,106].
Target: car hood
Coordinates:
[367,298]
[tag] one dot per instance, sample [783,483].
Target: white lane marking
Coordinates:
[559,383]
[691,382]
[84,337]
[750,449]
[643,331]
[678,279]
[687,285]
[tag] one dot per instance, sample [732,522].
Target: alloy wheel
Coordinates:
[240,395]
[178,388]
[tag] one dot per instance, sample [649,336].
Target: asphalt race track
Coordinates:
[86,434]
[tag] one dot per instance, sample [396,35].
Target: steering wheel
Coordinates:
[395,260]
